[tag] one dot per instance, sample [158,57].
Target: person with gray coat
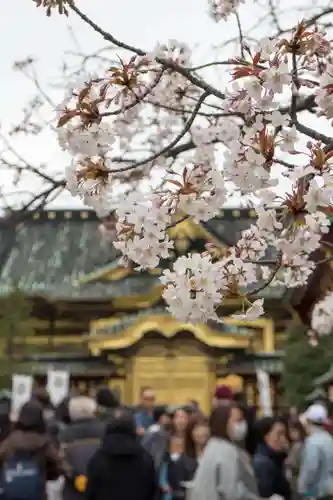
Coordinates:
[225,470]
[316,471]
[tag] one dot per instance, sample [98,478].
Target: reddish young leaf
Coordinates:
[175,183]
[256,58]
[66,118]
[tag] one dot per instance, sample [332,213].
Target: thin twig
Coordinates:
[166,63]
[173,143]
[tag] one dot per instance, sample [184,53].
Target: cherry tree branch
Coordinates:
[166,63]
[173,143]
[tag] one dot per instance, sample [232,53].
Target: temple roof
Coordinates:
[230,223]
[49,254]
[116,325]
[74,364]
[246,362]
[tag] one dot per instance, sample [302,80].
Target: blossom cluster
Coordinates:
[150,119]
[322,315]
[221,9]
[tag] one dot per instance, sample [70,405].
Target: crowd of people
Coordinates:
[97,449]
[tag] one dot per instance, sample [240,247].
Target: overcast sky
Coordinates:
[26,31]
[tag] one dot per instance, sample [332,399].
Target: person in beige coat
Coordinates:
[225,471]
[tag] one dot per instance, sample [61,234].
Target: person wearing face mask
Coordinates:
[225,470]
[269,458]
[316,472]
[250,443]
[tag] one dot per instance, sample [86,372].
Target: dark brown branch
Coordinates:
[241,36]
[166,63]
[277,267]
[28,166]
[310,132]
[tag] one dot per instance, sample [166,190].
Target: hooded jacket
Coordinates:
[121,469]
[39,445]
[30,436]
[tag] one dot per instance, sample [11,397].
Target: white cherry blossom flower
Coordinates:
[318,196]
[267,220]
[289,139]
[322,315]
[268,47]
[276,78]
[277,119]
[252,313]
[120,142]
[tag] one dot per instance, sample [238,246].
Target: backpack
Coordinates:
[22,478]
[78,454]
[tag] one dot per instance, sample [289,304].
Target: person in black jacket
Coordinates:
[121,469]
[269,458]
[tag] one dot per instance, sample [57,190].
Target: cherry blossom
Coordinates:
[187,146]
[255,310]
[322,315]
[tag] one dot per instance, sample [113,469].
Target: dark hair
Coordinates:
[265,425]
[159,411]
[41,395]
[121,421]
[218,421]
[172,415]
[62,412]
[297,425]
[240,397]
[106,398]
[5,423]
[31,418]
[189,444]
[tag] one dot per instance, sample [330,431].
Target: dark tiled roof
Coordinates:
[74,368]
[272,363]
[228,226]
[46,254]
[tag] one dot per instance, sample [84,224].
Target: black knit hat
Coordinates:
[106,398]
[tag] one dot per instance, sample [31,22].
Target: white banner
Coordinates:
[21,393]
[57,385]
[264,392]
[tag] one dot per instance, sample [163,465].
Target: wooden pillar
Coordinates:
[268,336]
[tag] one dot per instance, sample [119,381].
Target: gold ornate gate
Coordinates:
[176,378]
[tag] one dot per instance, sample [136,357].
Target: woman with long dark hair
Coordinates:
[196,437]
[296,436]
[224,469]
[171,470]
